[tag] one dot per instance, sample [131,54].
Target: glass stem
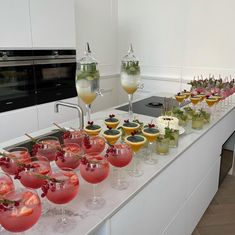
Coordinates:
[135,163]
[151,151]
[88,112]
[118,176]
[94,199]
[63,218]
[130,98]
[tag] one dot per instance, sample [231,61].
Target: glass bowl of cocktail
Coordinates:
[119,156]
[92,129]
[93,144]
[47,147]
[69,156]
[20,210]
[112,135]
[87,80]
[13,159]
[112,121]
[136,142]
[180,97]
[130,77]
[151,133]
[60,188]
[130,127]
[94,168]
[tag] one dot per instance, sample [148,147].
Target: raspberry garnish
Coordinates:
[86,141]
[111,116]
[151,125]
[134,133]
[90,123]
[35,149]
[60,155]
[67,135]
[126,121]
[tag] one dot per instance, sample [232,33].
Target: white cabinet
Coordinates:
[15,24]
[46,114]
[53,23]
[18,122]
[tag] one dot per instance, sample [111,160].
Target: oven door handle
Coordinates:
[56,61]
[15,63]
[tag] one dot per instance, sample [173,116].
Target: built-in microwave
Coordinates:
[17,81]
[29,77]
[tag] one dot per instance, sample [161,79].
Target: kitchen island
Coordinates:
[168,199]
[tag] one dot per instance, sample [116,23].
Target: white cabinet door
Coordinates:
[15,24]
[18,122]
[46,114]
[53,23]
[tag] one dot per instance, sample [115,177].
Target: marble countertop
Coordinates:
[85,221]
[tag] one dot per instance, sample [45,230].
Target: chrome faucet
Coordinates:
[75,106]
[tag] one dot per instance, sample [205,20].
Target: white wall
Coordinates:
[177,37]
[96,23]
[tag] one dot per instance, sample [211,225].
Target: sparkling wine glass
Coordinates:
[60,188]
[69,156]
[19,210]
[136,142]
[94,169]
[119,155]
[47,147]
[130,77]
[87,80]
[11,160]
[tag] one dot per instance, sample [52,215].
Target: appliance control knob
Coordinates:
[4,55]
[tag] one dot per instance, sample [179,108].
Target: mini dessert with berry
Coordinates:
[92,130]
[135,141]
[112,121]
[130,127]
[186,93]
[150,132]
[112,135]
[180,97]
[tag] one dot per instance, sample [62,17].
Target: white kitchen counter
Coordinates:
[169,198]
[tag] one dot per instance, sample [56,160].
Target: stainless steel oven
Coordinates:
[55,74]
[17,82]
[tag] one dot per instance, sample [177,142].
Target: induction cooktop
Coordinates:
[152,106]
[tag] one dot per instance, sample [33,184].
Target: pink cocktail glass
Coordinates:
[33,176]
[20,210]
[47,147]
[94,169]
[61,188]
[93,144]
[69,157]
[75,137]
[6,184]
[119,155]
[10,163]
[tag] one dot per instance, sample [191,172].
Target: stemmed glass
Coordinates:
[119,155]
[6,186]
[94,169]
[151,134]
[20,210]
[10,162]
[93,144]
[180,98]
[130,77]
[135,142]
[47,147]
[69,156]
[60,188]
[87,80]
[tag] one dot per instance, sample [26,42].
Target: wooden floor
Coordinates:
[219,218]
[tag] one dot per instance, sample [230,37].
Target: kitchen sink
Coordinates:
[29,143]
